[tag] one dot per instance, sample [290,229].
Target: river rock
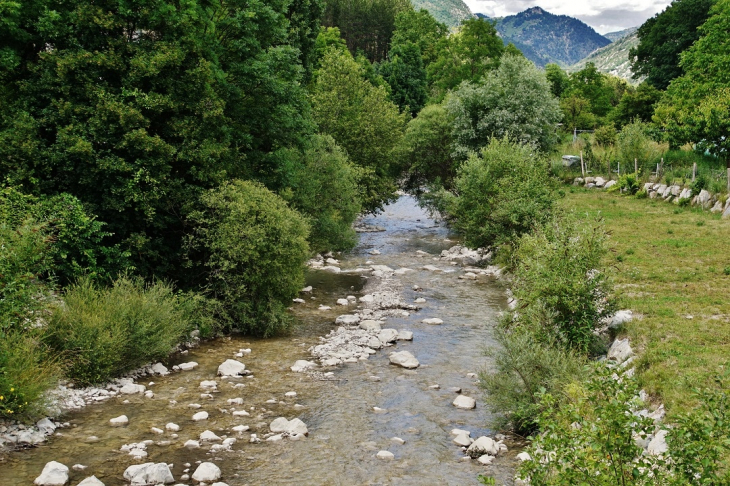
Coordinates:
[209,384]
[370,325]
[385,455]
[405,336]
[620,350]
[468,276]
[172,427]
[200,416]
[347,320]
[485,459]
[149,473]
[430,268]
[524,456]
[404,359]
[53,474]
[207,471]
[191,444]
[292,427]
[387,336]
[462,401]
[119,421]
[91,481]
[131,389]
[159,369]
[46,426]
[303,365]
[434,321]
[209,436]
[343,302]
[463,440]
[483,445]
[187,366]
[231,367]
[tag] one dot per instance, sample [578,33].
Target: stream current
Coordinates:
[345,432]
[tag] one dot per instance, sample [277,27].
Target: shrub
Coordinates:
[605,135]
[560,282]
[324,189]
[104,332]
[251,247]
[523,366]
[501,194]
[626,184]
[634,143]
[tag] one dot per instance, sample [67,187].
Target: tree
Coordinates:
[465,56]
[592,85]
[559,80]
[696,107]
[636,104]
[420,28]
[404,73]
[577,112]
[363,121]
[664,37]
[515,101]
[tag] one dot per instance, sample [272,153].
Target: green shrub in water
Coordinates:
[252,247]
[104,332]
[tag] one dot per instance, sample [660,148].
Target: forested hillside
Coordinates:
[613,59]
[450,12]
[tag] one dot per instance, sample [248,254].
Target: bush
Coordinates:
[560,282]
[104,332]
[324,189]
[250,249]
[605,135]
[626,184]
[501,194]
[523,366]
[634,143]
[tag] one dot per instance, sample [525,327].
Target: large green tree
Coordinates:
[664,37]
[420,28]
[137,106]
[363,121]
[404,73]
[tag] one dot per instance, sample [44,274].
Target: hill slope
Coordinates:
[450,12]
[544,37]
[612,59]
[620,34]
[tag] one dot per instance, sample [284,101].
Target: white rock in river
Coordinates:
[172,427]
[209,436]
[483,445]
[343,302]
[405,336]
[159,369]
[231,367]
[386,455]
[404,359]
[209,384]
[347,320]
[131,389]
[207,471]
[191,444]
[46,426]
[294,426]
[434,321]
[462,401]
[91,481]
[187,366]
[200,416]
[54,474]
[118,421]
[302,365]
[370,325]
[149,473]
[485,459]
[387,336]
[524,456]
[219,484]
[463,440]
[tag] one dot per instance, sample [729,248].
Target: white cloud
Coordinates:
[604,16]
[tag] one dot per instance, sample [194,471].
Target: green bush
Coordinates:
[324,189]
[634,144]
[251,247]
[626,184]
[501,194]
[523,366]
[560,282]
[605,135]
[104,332]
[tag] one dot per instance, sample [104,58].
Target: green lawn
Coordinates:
[672,267]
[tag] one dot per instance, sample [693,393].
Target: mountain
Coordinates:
[620,34]
[612,59]
[544,37]
[450,12]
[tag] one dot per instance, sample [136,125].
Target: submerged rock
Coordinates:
[404,359]
[231,367]
[303,365]
[292,427]
[53,474]
[462,401]
[385,455]
[149,473]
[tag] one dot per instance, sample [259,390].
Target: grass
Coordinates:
[672,269]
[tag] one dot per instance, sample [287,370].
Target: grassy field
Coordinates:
[673,268]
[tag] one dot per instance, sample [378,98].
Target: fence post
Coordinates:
[694,171]
[636,167]
[582,167]
[618,168]
[575,134]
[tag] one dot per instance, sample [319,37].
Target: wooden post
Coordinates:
[728,175]
[609,168]
[694,171]
[618,168]
[575,134]
[582,167]
[636,167]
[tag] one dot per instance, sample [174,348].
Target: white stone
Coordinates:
[46,426]
[303,365]
[91,481]
[235,401]
[119,421]
[468,276]
[370,325]
[191,444]
[404,359]
[160,369]
[385,455]
[131,389]
[298,301]
[209,436]
[462,401]
[485,459]
[200,416]
[397,440]
[207,471]
[434,321]
[149,473]
[187,366]
[347,320]
[240,428]
[231,367]
[620,350]
[420,300]
[209,384]
[609,184]
[524,456]
[463,440]
[483,445]
[157,430]
[621,317]
[172,427]
[658,444]
[460,431]
[240,413]
[405,336]
[430,268]
[53,474]
[294,426]
[387,336]
[343,302]
[290,394]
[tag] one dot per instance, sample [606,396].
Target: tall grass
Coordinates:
[104,332]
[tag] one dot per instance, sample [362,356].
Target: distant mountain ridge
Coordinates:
[620,34]
[450,12]
[613,59]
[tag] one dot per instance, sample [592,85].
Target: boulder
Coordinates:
[119,421]
[620,350]
[303,365]
[462,401]
[187,366]
[658,444]
[200,416]
[485,459]
[159,369]
[600,182]
[717,208]
[621,317]
[53,474]
[131,389]
[292,427]
[434,321]
[609,184]
[46,426]
[91,481]
[207,471]
[231,367]
[726,213]
[385,455]
[524,456]
[387,336]
[209,436]
[483,445]
[149,473]
[404,359]
[370,325]
[463,440]
[405,336]
[347,320]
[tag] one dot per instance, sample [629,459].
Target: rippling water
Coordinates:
[344,431]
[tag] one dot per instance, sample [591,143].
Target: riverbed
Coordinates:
[351,414]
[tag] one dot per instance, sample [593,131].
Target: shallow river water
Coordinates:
[345,432]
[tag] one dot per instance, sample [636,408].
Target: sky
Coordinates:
[603,15]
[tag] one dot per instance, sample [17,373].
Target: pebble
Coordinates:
[385,455]
[119,421]
[200,416]
[397,440]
